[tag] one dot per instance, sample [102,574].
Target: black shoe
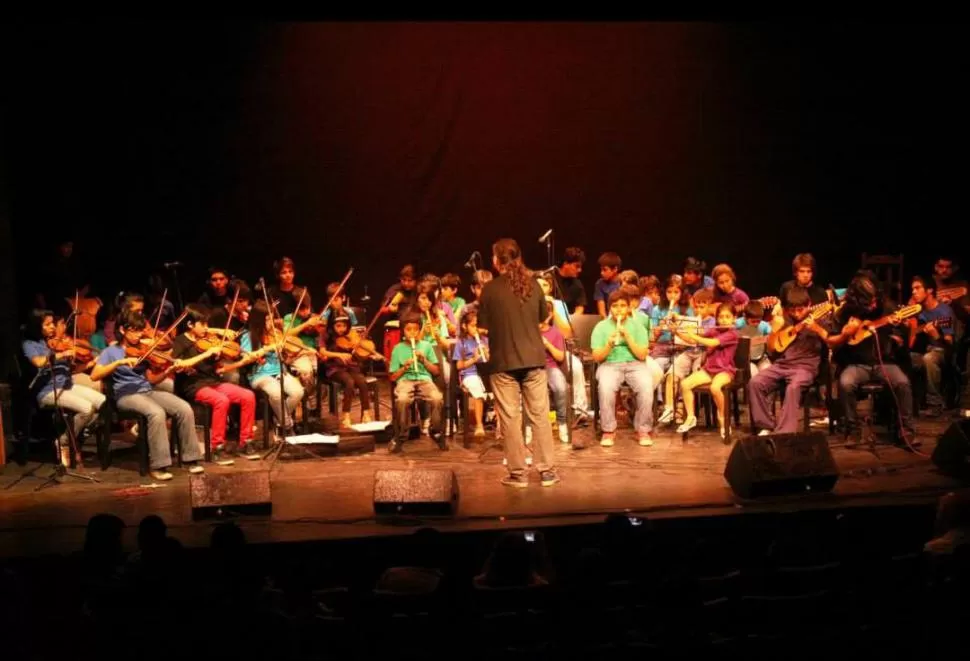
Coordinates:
[394,446]
[548,478]
[221,457]
[440,439]
[907,439]
[248,451]
[853,438]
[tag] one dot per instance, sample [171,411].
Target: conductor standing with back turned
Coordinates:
[510,308]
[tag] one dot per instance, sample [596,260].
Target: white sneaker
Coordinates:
[689,424]
[563,432]
[764,432]
[528,435]
[666,416]
[425,426]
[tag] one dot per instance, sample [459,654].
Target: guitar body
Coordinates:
[869,328]
[87,313]
[778,342]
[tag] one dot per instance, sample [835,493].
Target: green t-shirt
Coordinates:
[645,320]
[457,303]
[620,353]
[402,354]
[308,340]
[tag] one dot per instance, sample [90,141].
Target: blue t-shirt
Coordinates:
[560,307]
[658,313]
[270,365]
[602,289]
[941,312]
[646,306]
[44,383]
[764,328]
[466,348]
[126,380]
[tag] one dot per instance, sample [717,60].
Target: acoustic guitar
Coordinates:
[869,328]
[916,328]
[778,342]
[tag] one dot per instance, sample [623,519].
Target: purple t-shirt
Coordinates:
[737,298]
[555,338]
[721,358]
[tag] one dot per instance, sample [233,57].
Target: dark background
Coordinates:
[374,145]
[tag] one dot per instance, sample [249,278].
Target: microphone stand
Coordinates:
[60,470]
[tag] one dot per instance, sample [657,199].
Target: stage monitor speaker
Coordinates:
[419,492]
[240,492]
[952,453]
[781,464]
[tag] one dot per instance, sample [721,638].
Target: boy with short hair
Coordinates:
[650,293]
[450,284]
[413,365]
[336,307]
[753,325]
[609,281]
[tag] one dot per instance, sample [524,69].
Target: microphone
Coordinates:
[171,265]
[470,264]
[544,237]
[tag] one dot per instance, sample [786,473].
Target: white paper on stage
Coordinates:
[313,439]
[377,425]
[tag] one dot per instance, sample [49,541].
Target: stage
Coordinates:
[333,497]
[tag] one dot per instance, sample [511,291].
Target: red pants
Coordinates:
[218,398]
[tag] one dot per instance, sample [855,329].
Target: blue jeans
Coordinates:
[854,376]
[557,386]
[610,376]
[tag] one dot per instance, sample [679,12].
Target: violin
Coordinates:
[150,335]
[83,351]
[230,350]
[359,346]
[157,360]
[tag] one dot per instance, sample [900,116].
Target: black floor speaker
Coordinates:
[952,453]
[225,494]
[419,492]
[780,465]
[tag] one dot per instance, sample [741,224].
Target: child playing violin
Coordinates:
[260,344]
[342,367]
[201,382]
[133,380]
[336,297]
[413,364]
[54,371]
[307,327]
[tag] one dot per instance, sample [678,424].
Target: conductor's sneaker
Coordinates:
[548,478]
[194,467]
[764,432]
[162,475]
[607,439]
[518,482]
[563,432]
[645,439]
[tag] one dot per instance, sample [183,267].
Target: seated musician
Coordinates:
[336,297]
[437,330]
[309,328]
[450,284]
[219,319]
[694,278]
[621,346]
[285,293]
[954,291]
[260,344]
[650,286]
[753,325]
[674,303]
[400,296]
[133,382]
[793,369]
[931,340]
[218,291]
[726,290]
[560,321]
[54,371]
[414,362]
[479,280]
[803,270]
[720,342]
[691,359]
[609,281]
[199,381]
[874,358]
[567,277]
[470,351]
[344,368]
[556,354]
[85,358]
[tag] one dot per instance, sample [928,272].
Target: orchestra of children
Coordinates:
[662,338]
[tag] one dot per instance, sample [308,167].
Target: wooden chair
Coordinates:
[742,376]
[889,271]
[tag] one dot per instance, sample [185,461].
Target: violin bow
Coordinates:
[158,317]
[232,310]
[159,338]
[340,288]
[77,304]
[272,320]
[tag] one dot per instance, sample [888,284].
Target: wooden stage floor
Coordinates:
[332,497]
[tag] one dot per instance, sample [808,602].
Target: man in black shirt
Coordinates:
[285,294]
[567,280]
[400,296]
[511,308]
[803,268]
[217,292]
[873,359]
